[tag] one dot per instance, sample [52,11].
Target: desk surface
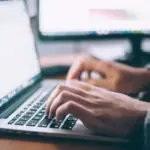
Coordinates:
[13,142]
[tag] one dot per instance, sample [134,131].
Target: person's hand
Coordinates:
[114,76]
[100,110]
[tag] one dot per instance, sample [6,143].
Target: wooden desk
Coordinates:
[13,142]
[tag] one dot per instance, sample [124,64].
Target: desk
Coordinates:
[23,143]
[13,142]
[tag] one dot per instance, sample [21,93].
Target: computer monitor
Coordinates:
[93,19]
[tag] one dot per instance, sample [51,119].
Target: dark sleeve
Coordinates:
[147,132]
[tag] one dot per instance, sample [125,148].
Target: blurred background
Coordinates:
[111,30]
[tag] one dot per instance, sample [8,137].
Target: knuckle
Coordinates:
[95,113]
[61,87]
[63,95]
[69,105]
[81,62]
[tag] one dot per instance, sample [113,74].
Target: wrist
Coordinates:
[144,75]
[142,109]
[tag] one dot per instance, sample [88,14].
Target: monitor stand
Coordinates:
[141,58]
[136,42]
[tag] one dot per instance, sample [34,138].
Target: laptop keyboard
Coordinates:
[35,116]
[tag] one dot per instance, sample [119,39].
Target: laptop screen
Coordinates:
[19,65]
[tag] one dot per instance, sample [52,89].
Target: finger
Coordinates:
[64,97]
[68,88]
[80,65]
[72,108]
[88,64]
[75,71]
[51,98]
[53,95]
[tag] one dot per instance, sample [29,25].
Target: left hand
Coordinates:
[100,110]
[114,76]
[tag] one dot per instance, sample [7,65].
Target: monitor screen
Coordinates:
[93,17]
[19,65]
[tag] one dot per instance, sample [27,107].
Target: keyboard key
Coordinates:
[70,115]
[24,119]
[22,111]
[37,118]
[25,108]
[40,114]
[36,107]
[19,114]
[56,121]
[39,104]
[70,118]
[33,109]
[29,104]
[31,112]
[44,108]
[20,122]
[44,122]
[16,117]
[67,127]
[32,123]
[42,111]
[55,125]
[28,115]
[43,100]
[69,123]
[12,121]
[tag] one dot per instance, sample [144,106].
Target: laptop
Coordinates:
[23,91]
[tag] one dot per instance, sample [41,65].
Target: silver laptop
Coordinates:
[23,92]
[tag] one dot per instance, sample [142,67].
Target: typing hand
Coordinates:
[115,77]
[100,110]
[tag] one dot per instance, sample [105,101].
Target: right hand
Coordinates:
[100,110]
[114,76]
